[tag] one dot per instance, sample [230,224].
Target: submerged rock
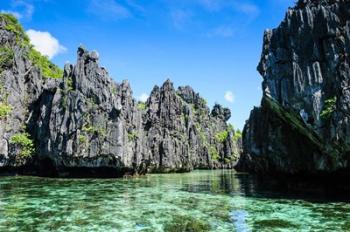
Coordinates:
[85,124]
[302,126]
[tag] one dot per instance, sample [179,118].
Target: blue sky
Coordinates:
[212,45]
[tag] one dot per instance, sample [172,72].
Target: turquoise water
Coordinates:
[197,201]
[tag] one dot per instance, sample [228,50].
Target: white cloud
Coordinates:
[45,43]
[143,97]
[229,96]
[108,9]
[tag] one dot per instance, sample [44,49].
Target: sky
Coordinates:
[212,45]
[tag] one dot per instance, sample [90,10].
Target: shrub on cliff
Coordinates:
[221,136]
[25,143]
[6,57]
[5,109]
[329,108]
[47,68]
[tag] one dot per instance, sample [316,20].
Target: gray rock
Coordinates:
[86,124]
[305,67]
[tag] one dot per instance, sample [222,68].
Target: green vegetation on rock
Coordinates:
[329,108]
[141,106]
[6,57]
[82,139]
[132,136]
[5,109]
[25,142]
[221,137]
[293,119]
[70,84]
[237,136]
[47,68]
[214,154]
[15,27]
[94,130]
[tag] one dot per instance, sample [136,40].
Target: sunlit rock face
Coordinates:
[303,124]
[85,124]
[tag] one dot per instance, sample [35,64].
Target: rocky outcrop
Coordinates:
[302,126]
[85,124]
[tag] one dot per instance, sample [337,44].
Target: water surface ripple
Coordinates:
[207,200]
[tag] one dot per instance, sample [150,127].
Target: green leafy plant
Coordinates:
[25,142]
[221,136]
[6,57]
[15,27]
[142,106]
[237,136]
[329,108]
[114,90]
[70,84]
[5,109]
[214,154]
[82,139]
[47,68]
[132,136]
[94,130]
[230,127]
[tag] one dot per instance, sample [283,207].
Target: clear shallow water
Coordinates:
[214,200]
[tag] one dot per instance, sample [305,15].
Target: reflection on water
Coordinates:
[202,200]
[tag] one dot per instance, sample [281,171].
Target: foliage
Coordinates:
[238,135]
[47,68]
[204,101]
[230,127]
[15,27]
[232,158]
[25,142]
[221,136]
[132,136]
[82,139]
[5,109]
[6,57]
[187,224]
[70,84]
[329,108]
[214,154]
[293,119]
[141,106]
[202,134]
[94,130]
[114,90]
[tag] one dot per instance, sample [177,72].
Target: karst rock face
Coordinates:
[85,124]
[302,126]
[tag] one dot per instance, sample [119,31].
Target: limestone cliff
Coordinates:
[82,123]
[302,126]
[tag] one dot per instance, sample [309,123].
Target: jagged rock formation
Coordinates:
[86,124]
[302,126]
